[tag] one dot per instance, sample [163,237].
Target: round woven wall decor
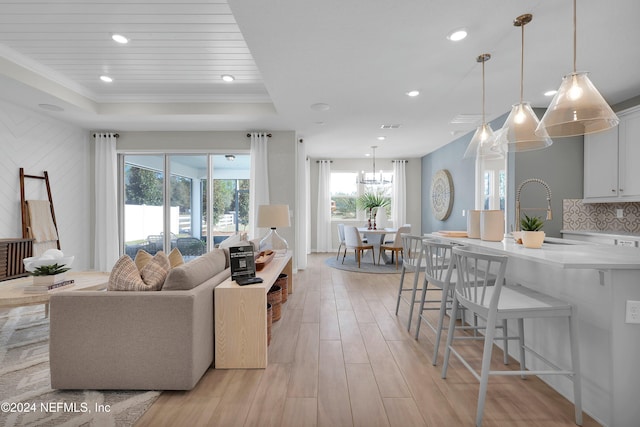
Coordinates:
[441,194]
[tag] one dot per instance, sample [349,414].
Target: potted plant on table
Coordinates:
[49,274]
[532,234]
[371,202]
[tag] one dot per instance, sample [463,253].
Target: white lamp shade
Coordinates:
[519,130]
[577,109]
[273,216]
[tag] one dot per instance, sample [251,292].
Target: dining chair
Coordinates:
[341,239]
[396,246]
[492,300]
[353,241]
[412,262]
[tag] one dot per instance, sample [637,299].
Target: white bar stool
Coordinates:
[480,293]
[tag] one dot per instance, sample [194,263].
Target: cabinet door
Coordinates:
[601,164]
[629,148]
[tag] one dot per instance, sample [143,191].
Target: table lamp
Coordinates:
[273,216]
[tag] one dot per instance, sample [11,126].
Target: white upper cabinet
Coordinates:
[611,172]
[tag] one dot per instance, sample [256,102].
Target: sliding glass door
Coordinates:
[162,214]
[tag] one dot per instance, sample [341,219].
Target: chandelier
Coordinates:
[372,178]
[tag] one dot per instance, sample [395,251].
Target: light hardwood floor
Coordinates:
[339,356]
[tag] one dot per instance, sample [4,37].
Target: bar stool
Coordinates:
[491,300]
[440,273]
[412,261]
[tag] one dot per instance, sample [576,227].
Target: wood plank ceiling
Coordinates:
[178,51]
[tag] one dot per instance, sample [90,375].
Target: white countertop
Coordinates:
[612,234]
[563,253]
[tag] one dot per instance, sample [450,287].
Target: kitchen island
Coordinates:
[597,280]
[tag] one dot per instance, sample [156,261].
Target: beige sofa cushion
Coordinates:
[195,272]
[143,257]
[126,277]
[175,258]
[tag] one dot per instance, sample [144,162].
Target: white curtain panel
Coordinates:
[302,225]
[399,193]
[323,237]
[259,183]
[107,246]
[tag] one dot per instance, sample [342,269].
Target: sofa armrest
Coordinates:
[131,340]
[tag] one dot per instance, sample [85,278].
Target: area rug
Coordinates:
[26,397]
[366,265]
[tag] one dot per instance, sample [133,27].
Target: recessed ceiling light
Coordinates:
[413,93]
[382,138]
[50,107]
[457,35]
[550,92]
[106,79]
[119,38]
[320,106]
[228,78]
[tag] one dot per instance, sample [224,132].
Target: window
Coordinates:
[491,184]
[346,189]
[154,222]
[344,193]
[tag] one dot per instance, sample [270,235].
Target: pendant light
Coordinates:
[483,138]
[577,108]
[519,131]
[373,180]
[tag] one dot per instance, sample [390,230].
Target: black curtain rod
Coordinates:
[405,161]
[268,135]
[320,161]
[115,134]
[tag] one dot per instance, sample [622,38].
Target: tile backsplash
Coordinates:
[577,215]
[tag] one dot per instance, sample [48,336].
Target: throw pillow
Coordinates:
[142,258]
[154,273]
[175,258]
[126,277]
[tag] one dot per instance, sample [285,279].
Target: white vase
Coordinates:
[473,224]
[532,239]
[492,225]
[381,218]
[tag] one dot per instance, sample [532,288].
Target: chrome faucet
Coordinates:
[527,181]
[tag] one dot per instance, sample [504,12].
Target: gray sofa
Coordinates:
[133,340]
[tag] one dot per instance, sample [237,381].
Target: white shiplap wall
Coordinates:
[37,143]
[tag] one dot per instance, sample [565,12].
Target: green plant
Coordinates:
[372,200]
[531,223]
[49,270]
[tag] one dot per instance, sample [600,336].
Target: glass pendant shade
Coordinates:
[577,109]
[481,142]
[519,130]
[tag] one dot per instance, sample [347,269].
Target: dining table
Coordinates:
[376,237]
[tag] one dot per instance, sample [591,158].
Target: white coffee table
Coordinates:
[12,292]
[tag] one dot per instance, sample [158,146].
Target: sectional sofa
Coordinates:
[138,340]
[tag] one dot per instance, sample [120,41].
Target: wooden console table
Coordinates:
[241,318]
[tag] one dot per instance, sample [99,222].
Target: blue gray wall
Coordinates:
[560,166]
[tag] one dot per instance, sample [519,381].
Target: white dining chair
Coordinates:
[480,293]
[341,239]
[396,246]
[353,241]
